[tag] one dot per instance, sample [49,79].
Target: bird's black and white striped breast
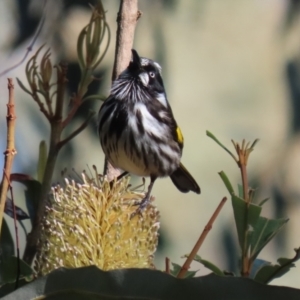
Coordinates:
[137,138]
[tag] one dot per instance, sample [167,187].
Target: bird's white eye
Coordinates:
[152,74]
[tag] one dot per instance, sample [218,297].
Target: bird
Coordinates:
[137,129]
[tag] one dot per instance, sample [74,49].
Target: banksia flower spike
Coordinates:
[91,224]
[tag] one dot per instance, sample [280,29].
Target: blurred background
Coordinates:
[230,67]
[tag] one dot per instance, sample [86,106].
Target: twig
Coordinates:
[76,102]
[167,262]
[77,131]
[10,151]
[29,48]
[201,239]
[127,18]
[242,163]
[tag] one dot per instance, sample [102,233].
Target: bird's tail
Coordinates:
[184,181]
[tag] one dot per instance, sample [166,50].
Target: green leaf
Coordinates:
[207,264]
[177,268]
[246,216]
[42,161]
[10,271]
[10,208]
[257,265]
[264,230]
[6,250]
[209,134]
[269,272]
[32,194]
[226,182]
[241,191]
[146,284]
[7,247]
[80,41]
[263,202]
[22,86]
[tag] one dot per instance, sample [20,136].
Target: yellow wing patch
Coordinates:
[179,136]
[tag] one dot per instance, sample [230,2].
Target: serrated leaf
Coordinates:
[42,161]
[207,264]
[264,230]
[175,270]
[270,272]
[148,284]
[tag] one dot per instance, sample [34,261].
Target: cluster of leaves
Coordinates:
[254,231]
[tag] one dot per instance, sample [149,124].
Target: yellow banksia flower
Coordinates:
[90,224]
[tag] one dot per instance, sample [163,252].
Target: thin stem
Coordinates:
[167,263]
[76,132]
[76,102]
[10,148]
[201,239]
[243,167]
[244,176]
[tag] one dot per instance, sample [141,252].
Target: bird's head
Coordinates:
[140,82]
[146,71]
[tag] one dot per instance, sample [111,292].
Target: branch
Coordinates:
[10,148]
[201,239]
[127,18]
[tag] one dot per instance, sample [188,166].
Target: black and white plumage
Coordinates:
[137,129]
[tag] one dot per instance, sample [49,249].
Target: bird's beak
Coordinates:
[135,60]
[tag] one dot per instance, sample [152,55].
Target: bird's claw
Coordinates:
[141,206]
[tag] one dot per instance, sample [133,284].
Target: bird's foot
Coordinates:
[141,205]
